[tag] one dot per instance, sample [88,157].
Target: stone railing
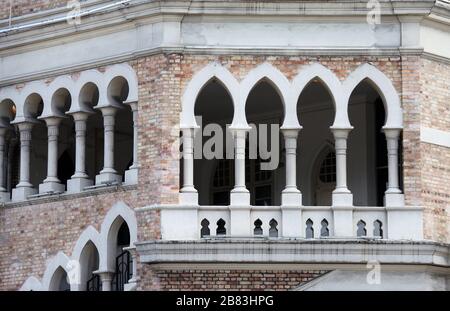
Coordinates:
[183,222]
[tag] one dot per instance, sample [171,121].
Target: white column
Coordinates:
[341,195]
[131,175]
[131,284]
[239,196]
[24,188]
[393,195]
[80,179]
[291,197]
[108,174]
[52,183]
[4,195]
[188,193]
[106,278]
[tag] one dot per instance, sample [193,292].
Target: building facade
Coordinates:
[327,125]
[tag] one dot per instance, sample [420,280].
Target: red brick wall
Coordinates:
[435,169]
[238,280]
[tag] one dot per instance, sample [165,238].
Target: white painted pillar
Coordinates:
[52,183]
[106,278]
[393,195]
[188,193]
[131,175]
[291,195]
[80,179]
[24,188]
[108,174]
[239,196]
[132,283]
[4,195]
[341,195]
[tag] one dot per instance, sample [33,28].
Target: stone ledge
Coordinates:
[69,196]
[349,251]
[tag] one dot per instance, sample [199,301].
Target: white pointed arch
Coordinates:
[331,82]
[384,87]
[31,284]
[59,261]
[120,70]
[109,224]
[198,82]
[88,235]
[267,72]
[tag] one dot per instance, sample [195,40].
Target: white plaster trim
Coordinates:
[435,137]
[74,85]
[290,92]
[60,260]
[31,284]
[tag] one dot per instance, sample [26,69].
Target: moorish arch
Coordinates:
[338,127]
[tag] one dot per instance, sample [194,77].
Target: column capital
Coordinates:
[392,133]
[108,110]
[133,105]
[105,275]
[80,115]
[339,132]
[25,126]
[290,133]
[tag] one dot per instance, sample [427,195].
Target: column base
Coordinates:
[342,198]
[51,186]
[75,185]
[107,177]
[5,196]
[131,176]
[130,286]
[22,193]
[291,198]
[394,200]
[240,197]
[188,198]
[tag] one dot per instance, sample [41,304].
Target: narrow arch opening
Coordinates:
[316,172]
[60,281]
[89,262]
[367,149]
[265,176]
[213,165]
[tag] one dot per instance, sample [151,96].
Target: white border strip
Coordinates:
[434,136]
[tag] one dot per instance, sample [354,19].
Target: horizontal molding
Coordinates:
[282,51]
[350,251]
[435,137]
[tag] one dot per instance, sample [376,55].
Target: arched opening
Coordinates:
[119,258]
[118,90]
[59,281]
[213,166]
[265,176]
[88,99]
[315,168]
[33,108]
[89,262]
[10,157]
[367,150]
[61,102]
